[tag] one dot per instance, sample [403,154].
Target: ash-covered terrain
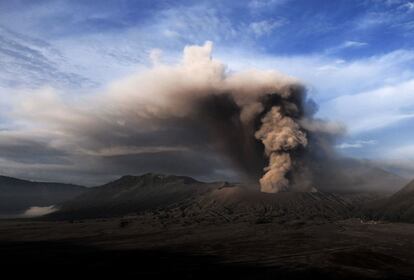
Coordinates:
[157,225]
[172,198]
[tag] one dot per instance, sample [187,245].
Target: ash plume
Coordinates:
[279,134]
[181,115]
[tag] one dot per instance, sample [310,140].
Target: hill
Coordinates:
[131,194]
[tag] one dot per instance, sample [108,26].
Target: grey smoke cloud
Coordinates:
[194,118]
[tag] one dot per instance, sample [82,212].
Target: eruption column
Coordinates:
[279,135]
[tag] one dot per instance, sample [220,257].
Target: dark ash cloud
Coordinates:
[194,118]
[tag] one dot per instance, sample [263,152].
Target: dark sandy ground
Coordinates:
[141,246]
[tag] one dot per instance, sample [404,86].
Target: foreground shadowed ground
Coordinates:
[142,246]
[48,258]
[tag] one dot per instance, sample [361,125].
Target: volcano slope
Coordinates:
[177,197]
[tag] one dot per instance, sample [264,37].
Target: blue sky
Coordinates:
[356,57]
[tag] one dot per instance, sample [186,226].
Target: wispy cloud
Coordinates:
[356,144]
[31,62]
[265,27]
[397,15]
[354,44]
[262,4]
[409,7]
[345,46]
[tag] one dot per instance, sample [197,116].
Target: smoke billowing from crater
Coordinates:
[183,114]
[259,135]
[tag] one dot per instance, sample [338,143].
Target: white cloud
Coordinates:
[374,109]
[36,211]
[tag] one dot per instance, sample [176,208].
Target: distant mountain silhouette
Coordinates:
[18,195]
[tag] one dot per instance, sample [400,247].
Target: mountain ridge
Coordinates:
[133,193]
[172,194]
